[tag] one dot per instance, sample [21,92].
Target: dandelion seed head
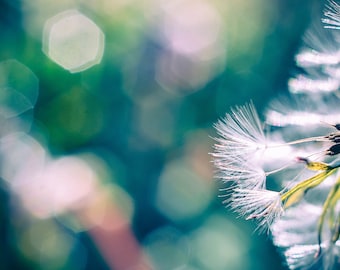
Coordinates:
[285,174]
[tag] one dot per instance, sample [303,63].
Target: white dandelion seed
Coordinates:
[297,226]
[263,205]
[320,48]
[332,14]
[241,173]
[307,111]
[303,257]
[305,84]
[241,133]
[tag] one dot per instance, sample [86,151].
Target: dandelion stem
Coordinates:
[279,169]
[294,194]
[330,203]
[305,140]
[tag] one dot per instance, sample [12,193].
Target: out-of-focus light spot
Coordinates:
[181,74]
[23,156]
[44,242]
[219,244]
[55,187]
[198,147]
[167,248]
[182,194]
[81,117]
[161,129]
[35,13]
[54,247]
[63,185]
[191,33]
[109,7]
[95,212]
[16,102]
[73,41]
[190,26]
[107,216]
[19,88]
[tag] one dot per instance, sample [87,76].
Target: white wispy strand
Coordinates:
[263,205]
[333,15]
[301,256]
[241,133]
[297,226]
[241,173]
[303,84]
[333,71]
[309,58]
[320,48]
[304,110]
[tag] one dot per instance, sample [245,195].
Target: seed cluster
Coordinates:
[297,146]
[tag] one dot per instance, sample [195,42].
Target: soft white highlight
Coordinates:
[241,133]
[262,205]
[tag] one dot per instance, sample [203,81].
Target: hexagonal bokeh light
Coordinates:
[19,88]
[73,41]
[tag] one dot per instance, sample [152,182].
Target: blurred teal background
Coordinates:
[127,95]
